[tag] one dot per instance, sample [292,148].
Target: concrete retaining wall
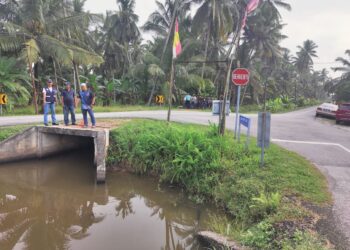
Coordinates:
[38,142]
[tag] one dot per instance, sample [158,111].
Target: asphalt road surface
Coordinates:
[319,140]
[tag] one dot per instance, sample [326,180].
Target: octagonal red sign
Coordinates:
[240,76]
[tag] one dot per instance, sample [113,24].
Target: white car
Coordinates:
[327,109]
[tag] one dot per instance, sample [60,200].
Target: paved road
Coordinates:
[319,140]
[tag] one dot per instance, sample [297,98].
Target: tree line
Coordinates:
[61,40]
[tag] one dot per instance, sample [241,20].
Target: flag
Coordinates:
[251,6]
[177,48]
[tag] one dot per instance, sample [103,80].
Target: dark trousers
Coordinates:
[188,104]
[66,111]
[91,114]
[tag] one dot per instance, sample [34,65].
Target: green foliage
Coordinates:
[260,236]
[265,204]
[14,81]
[215,168]
[6,132]
[263,236]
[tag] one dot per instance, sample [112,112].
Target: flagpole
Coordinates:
[171,86]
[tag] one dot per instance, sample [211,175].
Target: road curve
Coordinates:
[319,140]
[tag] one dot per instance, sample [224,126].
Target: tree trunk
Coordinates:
[35,102]
[56,80]
[206,48]
[222,125]
[171,84]
[76,77]
[152,93]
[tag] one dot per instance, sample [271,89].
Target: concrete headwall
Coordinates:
[38,142]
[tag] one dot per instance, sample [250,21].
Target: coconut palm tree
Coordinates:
[345,69]
[35,37]
[120,33]
[304,64]
[216,19]
[14,81]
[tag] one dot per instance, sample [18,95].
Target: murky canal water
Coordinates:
[54,204]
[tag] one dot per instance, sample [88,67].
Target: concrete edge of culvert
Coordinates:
[37,142]
[218,241]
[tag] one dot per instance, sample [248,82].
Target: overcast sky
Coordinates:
[326,22]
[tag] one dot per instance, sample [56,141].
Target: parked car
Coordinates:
[343,113]
[327,110]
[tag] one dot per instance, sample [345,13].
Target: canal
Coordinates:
[53,203]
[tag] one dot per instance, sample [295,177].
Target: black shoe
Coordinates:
[46,124]
[66,125]
[74,124]
[55,124]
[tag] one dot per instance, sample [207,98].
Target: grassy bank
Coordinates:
[6,132]
[264,205]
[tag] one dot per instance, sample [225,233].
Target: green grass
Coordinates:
[6,132]
[213,168]
[115,108]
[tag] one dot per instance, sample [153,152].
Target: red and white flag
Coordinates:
[251,6]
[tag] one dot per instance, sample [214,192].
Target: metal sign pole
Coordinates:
[248,135]
[239,131]
[1,109]
[263,140]
[237,109]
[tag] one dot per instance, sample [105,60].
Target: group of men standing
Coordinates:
[69,101]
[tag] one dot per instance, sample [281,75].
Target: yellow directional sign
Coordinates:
[3,99]
[160,99]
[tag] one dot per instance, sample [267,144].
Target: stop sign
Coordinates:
[240,77]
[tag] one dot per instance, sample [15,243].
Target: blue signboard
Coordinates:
[245,121]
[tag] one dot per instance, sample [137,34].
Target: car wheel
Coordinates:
[337,122]
[317,115]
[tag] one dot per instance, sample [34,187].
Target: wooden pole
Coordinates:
[171,85]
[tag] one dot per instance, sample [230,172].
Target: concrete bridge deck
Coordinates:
[40,141]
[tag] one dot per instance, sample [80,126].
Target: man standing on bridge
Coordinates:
[68,102]
[49,99]
[87,99]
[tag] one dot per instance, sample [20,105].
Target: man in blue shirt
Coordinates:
[187,100]
[68,102]
[49,101]
[87,99]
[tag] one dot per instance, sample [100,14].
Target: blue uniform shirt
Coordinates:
[86,98]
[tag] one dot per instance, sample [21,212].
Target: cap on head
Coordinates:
[83,85]
[68,83]
[49,81]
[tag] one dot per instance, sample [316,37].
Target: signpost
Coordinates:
[246,122]
[264,131]
[3,101]
[240,77]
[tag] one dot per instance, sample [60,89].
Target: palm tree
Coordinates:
[304,59]
[14,81]
[342,87]
[120,33]
[304,63]
[275,4]
[218,18]
[345,69]
[35,38]
[160,21]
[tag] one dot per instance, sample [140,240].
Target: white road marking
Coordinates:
[314,143]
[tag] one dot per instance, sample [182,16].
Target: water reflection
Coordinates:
[53,204]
